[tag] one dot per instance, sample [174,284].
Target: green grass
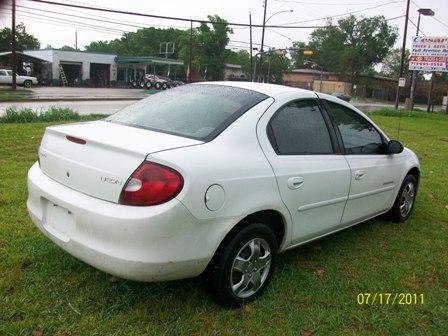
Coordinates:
[53,113]
[39,283]
[10,95]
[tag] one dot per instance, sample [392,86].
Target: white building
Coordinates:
[97,69]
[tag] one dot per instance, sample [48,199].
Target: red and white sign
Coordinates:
[429,53]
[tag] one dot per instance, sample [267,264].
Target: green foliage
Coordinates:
[273,66]
[24,40]
[143,42]
[212,40]
[67,48]
[9,95]
[54,113]
[241,57]
[354,45]
[391,64]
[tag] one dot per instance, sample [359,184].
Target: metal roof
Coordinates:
[146,60]
[24,55]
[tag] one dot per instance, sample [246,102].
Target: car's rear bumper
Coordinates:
[158,243]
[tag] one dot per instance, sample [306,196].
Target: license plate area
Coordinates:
[58,221]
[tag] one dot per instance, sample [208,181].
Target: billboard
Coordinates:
[429,53]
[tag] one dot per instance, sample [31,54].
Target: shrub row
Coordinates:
[54,113]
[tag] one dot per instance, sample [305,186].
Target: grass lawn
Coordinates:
[7,94]
[314,290]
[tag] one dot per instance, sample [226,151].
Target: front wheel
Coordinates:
[404,203]
[27,84]
[244,266]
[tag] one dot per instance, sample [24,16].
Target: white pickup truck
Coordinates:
[6,78]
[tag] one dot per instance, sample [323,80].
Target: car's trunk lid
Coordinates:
[97,158]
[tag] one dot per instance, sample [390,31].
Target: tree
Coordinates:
[242,57]
[213,41]
[391,64]
[354,45]
[298,58]
[67,47]
[24,40]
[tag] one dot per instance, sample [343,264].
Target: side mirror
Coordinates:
[394,147]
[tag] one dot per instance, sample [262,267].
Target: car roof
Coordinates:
[271,90]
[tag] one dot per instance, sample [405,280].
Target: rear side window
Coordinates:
[299,128]
[358,134]
[195,111]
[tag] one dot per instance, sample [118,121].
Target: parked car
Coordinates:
[159,83]
[342,95]
[6,78]
[215,179]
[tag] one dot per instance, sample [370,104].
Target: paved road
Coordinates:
[109,107]
[82,107]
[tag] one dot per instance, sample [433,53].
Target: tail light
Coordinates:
[151,184]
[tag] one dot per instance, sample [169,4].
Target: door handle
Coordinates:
[359,174]
[295,182]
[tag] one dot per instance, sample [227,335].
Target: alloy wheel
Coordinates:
[407,199]
[250,268]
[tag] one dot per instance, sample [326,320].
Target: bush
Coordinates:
[54,113]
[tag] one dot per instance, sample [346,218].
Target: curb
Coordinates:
[74,99]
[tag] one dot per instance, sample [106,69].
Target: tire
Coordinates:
[405,201]
[226,272]
[134,84]
[142,85]
[148,85]
[164,86]
[158,85]
[27,84]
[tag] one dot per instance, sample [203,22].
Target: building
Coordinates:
[82,68]
[378,87]
[234,72]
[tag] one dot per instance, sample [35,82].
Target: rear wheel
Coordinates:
[27,84]
[158,85]
[243,268]
[148,85]
[164,86]
[404,203]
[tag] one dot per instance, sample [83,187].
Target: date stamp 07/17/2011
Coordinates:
[371,299]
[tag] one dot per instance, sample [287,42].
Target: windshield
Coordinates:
[9,72]
[199,111]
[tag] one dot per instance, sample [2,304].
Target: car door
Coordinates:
[375,175]
[313,177]
[4,77]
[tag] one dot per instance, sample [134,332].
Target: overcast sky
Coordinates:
[55,29]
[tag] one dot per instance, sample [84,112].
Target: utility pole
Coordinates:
[262,33]
[13,46]
[76,39]
[425,12]
[403,50]
[431,87]
[251,61]
[191,51]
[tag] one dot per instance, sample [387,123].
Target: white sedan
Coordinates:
[26,81]
[215,178]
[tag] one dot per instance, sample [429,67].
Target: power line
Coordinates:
[328,3]
[95,17]
[433,17]
[344,14]
[167,17]
[417,27]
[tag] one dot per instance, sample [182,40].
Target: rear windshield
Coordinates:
[195,111]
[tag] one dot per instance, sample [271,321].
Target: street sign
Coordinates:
[401,82]
[429,53]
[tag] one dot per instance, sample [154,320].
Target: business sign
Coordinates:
[402,82]
[429,53]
